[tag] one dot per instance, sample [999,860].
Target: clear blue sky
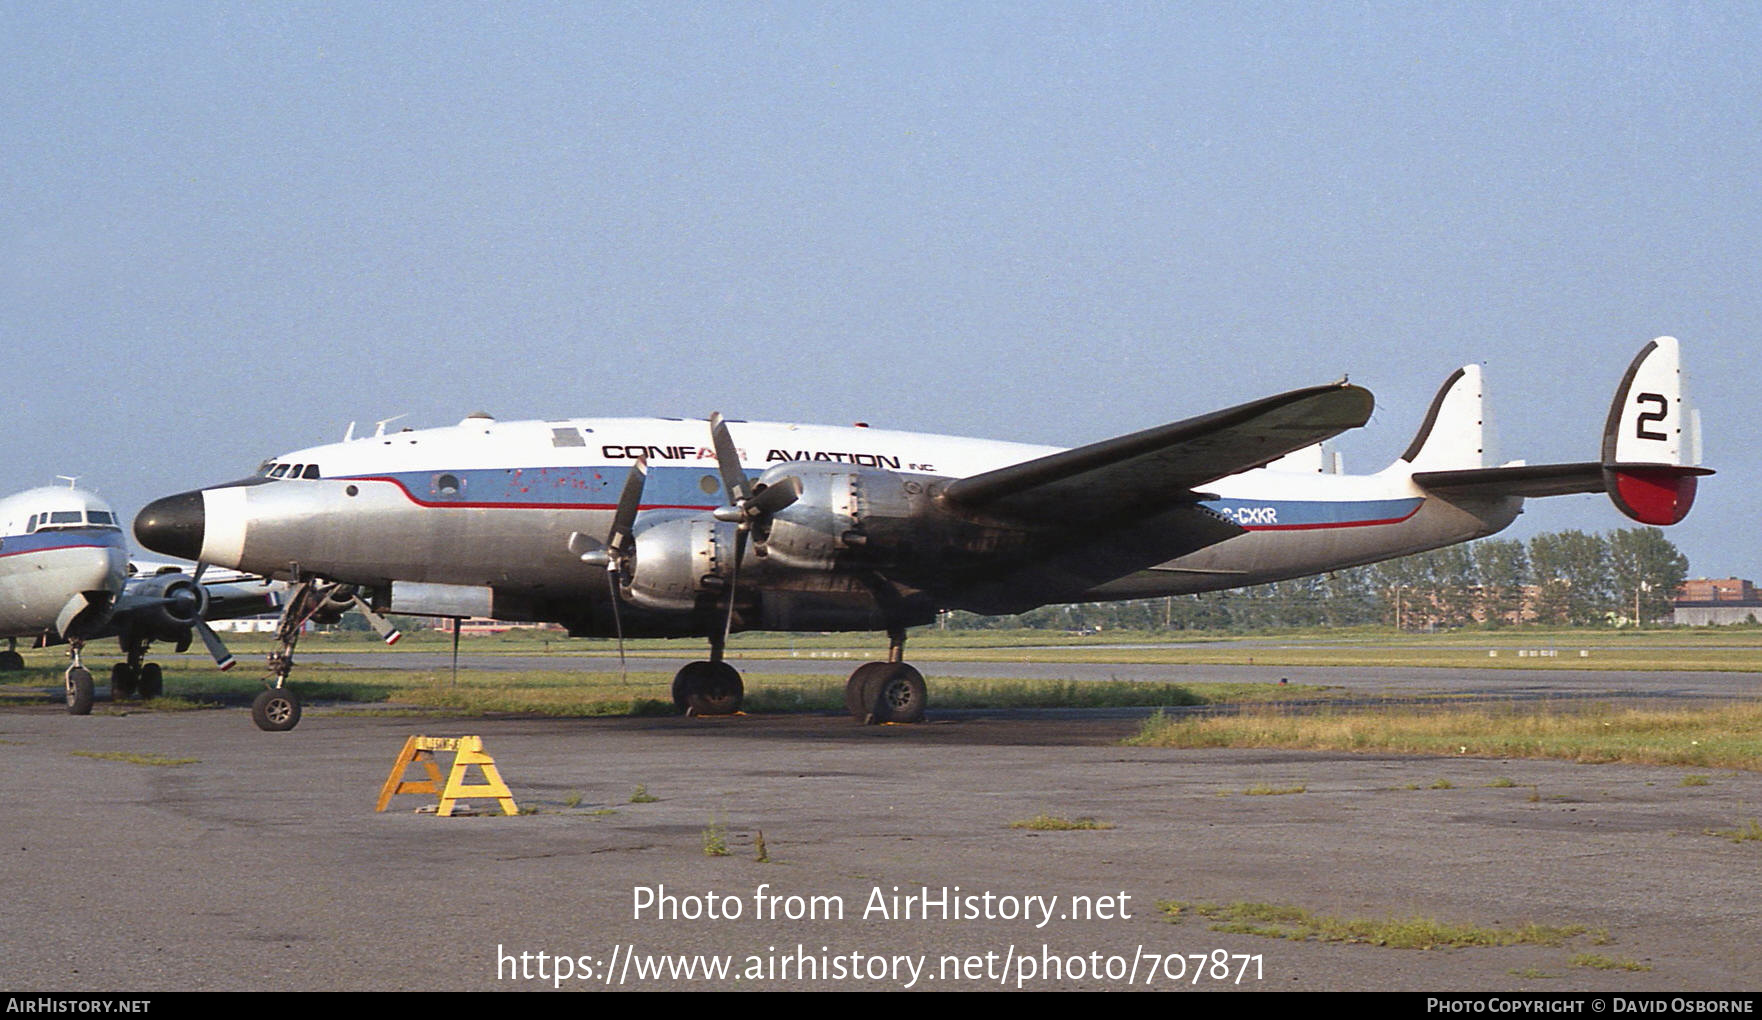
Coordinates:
[229,229]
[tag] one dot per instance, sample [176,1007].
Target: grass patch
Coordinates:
[1597,961]
[1727,736]
[1695,780]
[1502,783]
[1748,832]
[1283,921]
[1044,822]
[715,838]
[1273,791]
[1443,784]
[137,758]
[642,795]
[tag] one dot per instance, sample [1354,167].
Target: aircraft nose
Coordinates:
[173,525]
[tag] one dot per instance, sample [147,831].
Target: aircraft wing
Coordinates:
[1131,476]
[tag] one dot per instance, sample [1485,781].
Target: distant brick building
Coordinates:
[1714,601]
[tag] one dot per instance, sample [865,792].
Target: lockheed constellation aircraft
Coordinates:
[699,529]
[65,576]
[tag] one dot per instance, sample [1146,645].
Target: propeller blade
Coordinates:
[617,620]
[775,497]
[216,647]
[387,632]
[619,541]
[733,582]
[734,480]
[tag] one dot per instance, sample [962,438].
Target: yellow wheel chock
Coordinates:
[468,751]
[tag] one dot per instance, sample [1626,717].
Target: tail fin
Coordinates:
[1453,436]
[1649,450]
[1648,443]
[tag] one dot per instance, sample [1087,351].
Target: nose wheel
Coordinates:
[276,710]
[79,691]
[78,679]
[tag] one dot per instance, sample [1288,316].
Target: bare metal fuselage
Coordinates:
[479,516]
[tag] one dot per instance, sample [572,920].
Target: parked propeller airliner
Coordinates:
[65,576]
[695,529]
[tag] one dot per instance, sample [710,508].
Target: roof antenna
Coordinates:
[379,426]
[69,479]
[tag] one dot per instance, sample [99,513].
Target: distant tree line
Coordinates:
[1559,578]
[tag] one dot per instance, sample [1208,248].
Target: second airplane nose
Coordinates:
[173,525]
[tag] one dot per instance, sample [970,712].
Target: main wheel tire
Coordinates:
[122,682]
[79,691]
[11,660]
[856,702]
[708,688]
[276,709]
[896,694]
[152,680]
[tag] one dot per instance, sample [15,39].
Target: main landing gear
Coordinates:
[708,688]
[877,692]
[10,659]
[134,677]
[891,691]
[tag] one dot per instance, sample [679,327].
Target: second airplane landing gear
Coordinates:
[135,677]
[79,680]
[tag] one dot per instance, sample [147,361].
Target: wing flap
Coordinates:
[1133,475]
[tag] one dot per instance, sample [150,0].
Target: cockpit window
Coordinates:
[279,471]
[101,517]
[64,517]
[310,472]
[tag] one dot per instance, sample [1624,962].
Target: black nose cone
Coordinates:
[172,525]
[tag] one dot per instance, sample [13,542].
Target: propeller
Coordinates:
[615,553]
[750,507]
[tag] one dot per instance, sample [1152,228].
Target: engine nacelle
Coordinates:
[680,560]
[182,601]
[845,515]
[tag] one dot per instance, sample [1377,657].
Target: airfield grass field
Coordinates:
[1295,716]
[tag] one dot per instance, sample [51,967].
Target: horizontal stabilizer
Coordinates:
[1131,476]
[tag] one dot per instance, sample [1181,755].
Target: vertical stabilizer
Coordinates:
[1453,436]
[1649,447]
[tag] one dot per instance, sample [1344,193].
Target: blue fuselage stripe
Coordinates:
[70,538]
[598,488]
